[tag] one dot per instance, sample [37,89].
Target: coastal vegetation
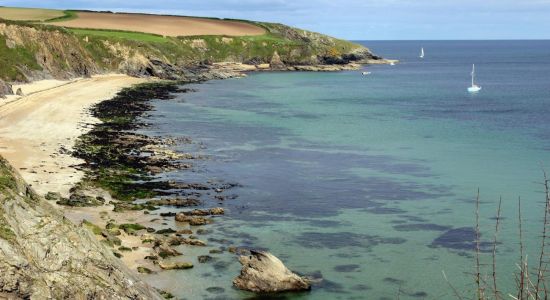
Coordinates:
[37,49]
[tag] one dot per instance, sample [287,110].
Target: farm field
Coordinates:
[161,25]
[29,14]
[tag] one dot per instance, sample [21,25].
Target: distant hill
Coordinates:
[34,46]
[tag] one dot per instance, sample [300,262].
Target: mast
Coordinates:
[473,73]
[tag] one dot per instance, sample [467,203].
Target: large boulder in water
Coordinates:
[263,272]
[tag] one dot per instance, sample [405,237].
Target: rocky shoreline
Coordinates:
[122,182]
[118,198]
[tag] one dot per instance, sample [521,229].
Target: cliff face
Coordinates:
[44,256]
[33,53]
[29,52]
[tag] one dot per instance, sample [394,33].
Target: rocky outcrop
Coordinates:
[40,51]
[5,89]
[262,272]
[45,256]
[276,62]
[56,53]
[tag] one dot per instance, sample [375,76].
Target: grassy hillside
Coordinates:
[30,50]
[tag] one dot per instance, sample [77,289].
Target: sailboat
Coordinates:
[422,53]
[474,88]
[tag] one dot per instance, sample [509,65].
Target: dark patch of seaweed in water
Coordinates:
[112,151]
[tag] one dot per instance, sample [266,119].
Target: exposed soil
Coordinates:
[162,25]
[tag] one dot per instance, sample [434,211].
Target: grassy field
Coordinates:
[128,35]
[159,24]
[29,14]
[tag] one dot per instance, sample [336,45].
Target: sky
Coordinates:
[355,19]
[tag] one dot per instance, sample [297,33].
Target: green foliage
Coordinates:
[6,233]
[124,249]
[120,34]
[13,58]
[92,227]
[130,228]
[68,15]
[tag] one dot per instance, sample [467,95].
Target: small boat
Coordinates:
[365,73]
[392,63]
[422,53]
[474,88]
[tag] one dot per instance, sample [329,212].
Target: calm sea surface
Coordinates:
[370,181]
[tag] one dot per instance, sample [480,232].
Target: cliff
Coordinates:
[45,256]
[32,51]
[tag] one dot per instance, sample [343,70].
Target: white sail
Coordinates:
[474,88]
[422,53]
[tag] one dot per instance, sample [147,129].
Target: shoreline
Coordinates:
[62,119]
[37,131]
[40,135]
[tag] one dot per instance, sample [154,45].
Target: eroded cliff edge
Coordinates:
[45,256]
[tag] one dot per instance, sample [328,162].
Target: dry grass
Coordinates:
[29,14]
[162,25]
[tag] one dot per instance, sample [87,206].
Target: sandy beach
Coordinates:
[51,115]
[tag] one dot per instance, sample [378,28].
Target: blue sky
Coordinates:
[355,19]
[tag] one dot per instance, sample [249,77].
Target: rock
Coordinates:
[217,211]
[131,228]
[192,220]
[204,258]
[45,256]
[176,241]
[276,62]
[54,196]
[166,231]
[79,199]
[205,212]
[185,231]
[5,89]
[164,250]
[19,92]
[175,265]
[185,202]
[144,270]
[262,272]
[10,44]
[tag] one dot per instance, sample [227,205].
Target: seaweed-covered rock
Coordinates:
[80,199]
[263,272]
[175,265]
[192,220]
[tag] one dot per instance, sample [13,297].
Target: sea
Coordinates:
[369,183]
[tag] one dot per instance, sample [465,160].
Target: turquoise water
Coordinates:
[369,181]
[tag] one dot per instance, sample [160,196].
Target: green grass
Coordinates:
[6,233]
[11,59]
[68,15]
[117,34]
